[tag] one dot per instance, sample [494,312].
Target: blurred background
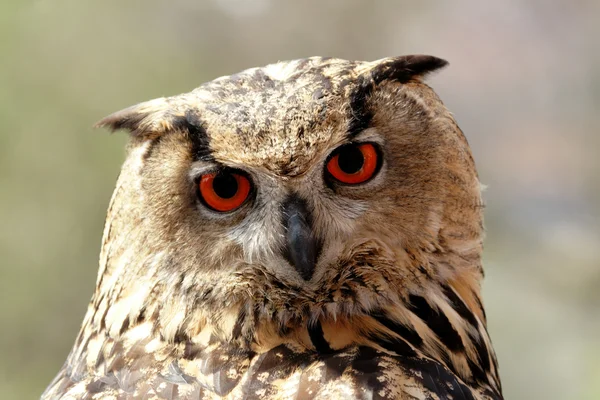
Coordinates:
[523,83]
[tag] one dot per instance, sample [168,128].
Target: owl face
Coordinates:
[296,171]
[289,230]
[295,225]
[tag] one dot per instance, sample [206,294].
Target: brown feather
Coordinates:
[192,304]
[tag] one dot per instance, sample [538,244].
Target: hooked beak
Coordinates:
[302,248]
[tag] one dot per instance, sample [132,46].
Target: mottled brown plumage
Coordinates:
[195,304]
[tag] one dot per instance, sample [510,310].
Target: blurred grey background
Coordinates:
[523,82]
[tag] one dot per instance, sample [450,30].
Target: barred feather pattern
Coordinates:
[188,306]
[352,338]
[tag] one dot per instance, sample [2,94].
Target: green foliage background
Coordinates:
[524,84]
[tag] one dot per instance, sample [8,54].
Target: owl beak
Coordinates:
[302,247]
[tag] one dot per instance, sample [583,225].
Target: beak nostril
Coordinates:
[302,247]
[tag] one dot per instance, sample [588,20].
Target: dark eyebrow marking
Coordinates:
[400,69]
[360,114]
[194,126]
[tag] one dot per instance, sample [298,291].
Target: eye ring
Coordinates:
[354,163]
[224,191]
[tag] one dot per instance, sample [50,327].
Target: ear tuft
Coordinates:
[152,117]
[405,68]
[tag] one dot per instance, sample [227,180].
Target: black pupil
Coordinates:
[351,159]
[225,185]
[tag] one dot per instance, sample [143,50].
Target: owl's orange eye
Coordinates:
[224,191]
[353,164]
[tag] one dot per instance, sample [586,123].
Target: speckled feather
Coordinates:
[194,305]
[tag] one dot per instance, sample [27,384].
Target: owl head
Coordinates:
[307,192]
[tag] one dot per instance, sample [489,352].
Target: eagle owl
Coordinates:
[311,229]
